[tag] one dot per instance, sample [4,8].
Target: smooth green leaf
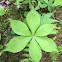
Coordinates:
[58,2]
[17,44]
[26,55]
[26,50]
[35,50]
[45,29]
[2,11]
[33,20]
[26,60]
[46,44]
[19,28]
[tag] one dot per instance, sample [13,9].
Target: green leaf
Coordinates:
[41,1]
[59,48]
[2,11]
[35,50]
[26,55]
[18,3]
[43,5]
[50,8]
[26,50]
[54,56]
[26,60]
[46,1]
[33,20]
[19,27]
[58,2]
[25,2]
[1,46]
[45,29]
[46,44]
[48,15]
[51,1]
[17,44]
[1,53]
[12,0]
[25,13]
[45,18]
[60,22]
[54,32]
[38,6]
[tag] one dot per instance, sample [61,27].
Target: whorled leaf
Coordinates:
[46,44]
[45,29]
[35,50]
[33,20]
[17,44]
[19,27]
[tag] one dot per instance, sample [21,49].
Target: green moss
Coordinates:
[3,23]
[12,12]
